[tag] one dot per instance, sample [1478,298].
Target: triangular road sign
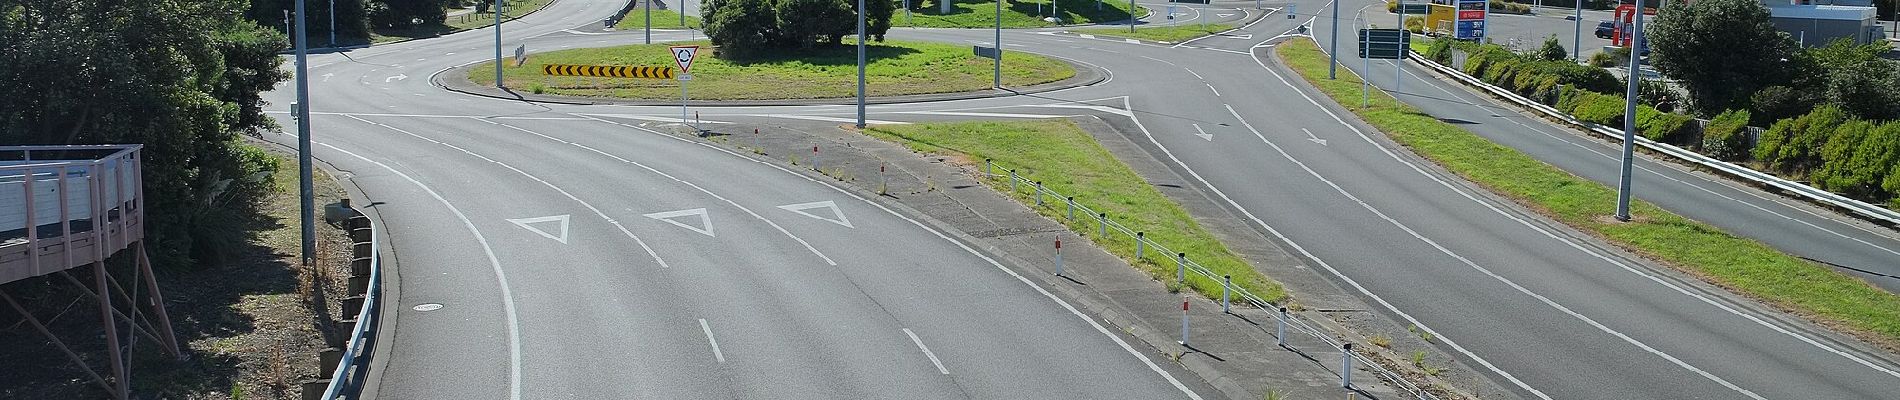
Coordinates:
[683,55]
[705,222]
[839,215]
[524,224]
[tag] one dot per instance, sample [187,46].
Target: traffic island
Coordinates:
[896,72]
[1016,14]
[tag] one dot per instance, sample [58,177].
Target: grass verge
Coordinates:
[458,23]
[662,19]
[1736,263]
[895,68]
[1016,14]
[1166,34]
[1067,160]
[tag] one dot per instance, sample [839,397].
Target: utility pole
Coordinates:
[1131,15]
[861,40]
[305,192]
[498,44]
[1629,115]
[332,22]
[649,5]
[998,75]
[1576,45]
[1332,68]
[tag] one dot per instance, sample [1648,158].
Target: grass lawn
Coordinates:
[1068,161]
[1166,33]
[896,68]
[662,19]
[515,9]
[1016,14]
[1739,264]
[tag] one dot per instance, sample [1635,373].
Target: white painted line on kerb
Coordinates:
[557,189]
[829,119]
[721,356]
[972,251]
[501,278]
[927,353]
[1468,262]
[983,115]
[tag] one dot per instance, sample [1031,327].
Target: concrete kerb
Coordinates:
[551,3]
[452,80]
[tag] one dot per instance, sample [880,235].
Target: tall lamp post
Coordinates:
[498,44]
[861,40]
[1576,45]
[1629,115]
[1332,68]
[305,191]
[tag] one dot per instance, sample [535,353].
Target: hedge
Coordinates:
[1726,136]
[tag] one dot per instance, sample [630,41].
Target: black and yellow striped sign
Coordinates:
[608,71]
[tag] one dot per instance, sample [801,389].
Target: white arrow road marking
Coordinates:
[398,77]
[1314,138]
[705,222]
[523,223]
[1203,134]
[800,209]
[326,77]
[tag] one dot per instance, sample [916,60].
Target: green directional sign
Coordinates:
[1418,9]
[1389,44]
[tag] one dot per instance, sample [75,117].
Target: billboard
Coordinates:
[1470,25]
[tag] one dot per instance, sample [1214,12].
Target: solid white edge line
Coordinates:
[718,355]
[1329,268]
[501,278]
[927,353]
[966,248]
[1652,277]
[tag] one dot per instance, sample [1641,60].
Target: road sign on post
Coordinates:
[608,71]
[521,54]
[683,56]
[1389,44]
[985,52]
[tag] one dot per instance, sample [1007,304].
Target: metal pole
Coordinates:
[997,75]
[1039,193]
[907,13]
[683,106]
[1398,72]
[1576,45]
[1012,181]
[1184,321]
[861,40]
[1071,207]
[1102,219]
[1131,14]
[1141,244]
[649,5]
[1227,281]
[1180,267]
[1058,258]
[1629,115]
[1332,66]
[332,23]
[1484,30]
[497,45]
[1279,336]
[1345,366]
[305,192]
[682,14]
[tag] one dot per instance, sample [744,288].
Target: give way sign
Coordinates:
[683,55]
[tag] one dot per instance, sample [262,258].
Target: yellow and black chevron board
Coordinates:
[608,71]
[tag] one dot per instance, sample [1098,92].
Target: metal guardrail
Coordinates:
[355,351]
[1869,211]
[1184,264]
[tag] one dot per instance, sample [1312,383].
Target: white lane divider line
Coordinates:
[1210,86]
[927,353]
[718,355]
[983,114]
[501,278]
[830,119]
[1156,368]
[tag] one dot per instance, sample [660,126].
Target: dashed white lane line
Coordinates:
[1210,86]
[1132,41]
[1191,72]
[501,278]
[927,353]
[717,355]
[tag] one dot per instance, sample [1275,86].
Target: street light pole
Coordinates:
[997,75]
[1629,115]
[332,23]
[1576,45]
[861,40]
[305,191]
[498,44]
[1332,68]
[649,5]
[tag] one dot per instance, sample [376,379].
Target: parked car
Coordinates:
[1605,29]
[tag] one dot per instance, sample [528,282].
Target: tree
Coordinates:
[747,27]
[878,21]
[1721,50]
[741,27]
[1794,145]
[804,23]
[1865,89]
[1552,50]
[180,77]
[407,13]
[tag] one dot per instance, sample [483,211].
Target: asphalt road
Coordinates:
[804,307]
[581,257]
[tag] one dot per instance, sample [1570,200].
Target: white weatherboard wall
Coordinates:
[46,194]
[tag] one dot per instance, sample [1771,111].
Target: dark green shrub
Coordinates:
[1552,50]
[1875,159]
[1726,136]
[1835,171]
[1661,126]
[1605,60]
[1439,51]
[1598,108]
[1793,145]
[1775,103]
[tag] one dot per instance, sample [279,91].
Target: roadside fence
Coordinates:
[361,307]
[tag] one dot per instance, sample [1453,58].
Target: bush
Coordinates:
[1597,108]
[1439,51]
[1793,145]
[1414,23]
[1835,172]
[1876,157]
[1661,126]
[1605,60]
[1726,136]
[1509,7]
[1776,103]
[1552,50]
